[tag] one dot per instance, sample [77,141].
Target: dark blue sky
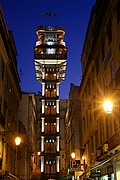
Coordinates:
[23,16]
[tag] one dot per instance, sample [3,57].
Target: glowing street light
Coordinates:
[73,155]
[83,158]
[108,106]
[38,153]
[17,140]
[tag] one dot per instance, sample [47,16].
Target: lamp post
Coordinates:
[84,165]
[108,107]
[72,157]
[17,142]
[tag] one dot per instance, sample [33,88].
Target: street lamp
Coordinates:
[73,155]
[108,106]
[17,140]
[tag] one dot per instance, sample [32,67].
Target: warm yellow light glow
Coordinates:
[17,141]
[108,106]
[39,153]
[83,158]
[73,155]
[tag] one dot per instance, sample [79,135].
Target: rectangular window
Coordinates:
[50,165]
[5,109]
[84,126]
[7,153]
[53,169]
[47,93]
[97,64]
[47,169]
[6,81]
[101,132]
[50,110]
[47,147]
[105,83]
[53,127]
[93,77]
[96,139]
[53,147]
[2,69]
[87,119]
[90,111]
[118,12]
[112,69]
[47,128]
[103,50]
[53,110]
[109,31]
[108,127]
[88,86]
[0,103]
[50,93]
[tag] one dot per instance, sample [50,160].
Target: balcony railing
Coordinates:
[117,77]
[49,28]
[50,56]
[114,141]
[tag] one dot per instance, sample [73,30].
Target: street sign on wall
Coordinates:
[75,164]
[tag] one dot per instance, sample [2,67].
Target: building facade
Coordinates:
[38,98]
[27,150]
[50,55]
[63,109]
[100,80]
[10,95]
[73,133]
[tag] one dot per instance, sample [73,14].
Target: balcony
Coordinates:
[114,141]
[50,56]
[49,28]
[50,115]
[117,77]
[115,82]
[52,154]
[50,133]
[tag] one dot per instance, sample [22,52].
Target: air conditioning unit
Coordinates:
[105,147]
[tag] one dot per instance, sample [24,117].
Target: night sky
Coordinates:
[24,16]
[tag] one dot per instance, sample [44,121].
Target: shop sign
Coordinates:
[75,164]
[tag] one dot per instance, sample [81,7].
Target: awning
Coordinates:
[12,176]
[97,165]
[5,174]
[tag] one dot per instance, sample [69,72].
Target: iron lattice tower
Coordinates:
[50,58]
